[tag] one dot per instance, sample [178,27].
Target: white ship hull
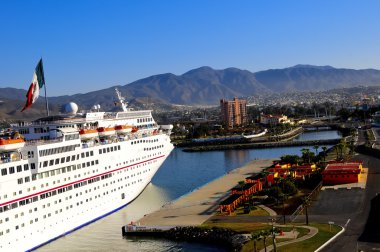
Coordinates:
[53,187]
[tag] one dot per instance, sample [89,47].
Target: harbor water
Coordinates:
[181,173]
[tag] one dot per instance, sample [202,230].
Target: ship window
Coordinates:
[111,148]
[26,167]
[27,179]
[87,154]
[83,165]
[108,149]
[68,159]
[91,153]
[72,157]
[118,147]
[19,181]
[63,160]
[96,162]
[88,164]
[57,161]
[100,151]
[19,168]
[82,155]
[51,162]
[34,177]
[33,166]
[4,171]
[11,170]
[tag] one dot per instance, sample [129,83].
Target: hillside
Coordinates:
[205,86]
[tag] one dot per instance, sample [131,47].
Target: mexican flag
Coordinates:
[38,82]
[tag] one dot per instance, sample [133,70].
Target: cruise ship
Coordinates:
[62,172]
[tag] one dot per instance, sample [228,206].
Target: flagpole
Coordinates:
[46,99]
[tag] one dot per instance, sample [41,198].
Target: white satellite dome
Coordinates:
[70,108]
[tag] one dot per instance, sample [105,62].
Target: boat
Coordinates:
[262,133]
[11,144]
[88,133]
[134,129]
[106,131]
[123,129]
[61,176]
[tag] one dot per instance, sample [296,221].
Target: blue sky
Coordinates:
[88,45]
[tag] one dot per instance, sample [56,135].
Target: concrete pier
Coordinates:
[196,207]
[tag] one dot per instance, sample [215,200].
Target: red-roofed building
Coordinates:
[337,173]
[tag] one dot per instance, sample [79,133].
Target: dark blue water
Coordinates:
[318,135]
[181,173]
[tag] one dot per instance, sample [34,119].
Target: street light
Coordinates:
[273,234]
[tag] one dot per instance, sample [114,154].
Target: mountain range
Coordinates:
[206,86]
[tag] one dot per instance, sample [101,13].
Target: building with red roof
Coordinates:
[337,173]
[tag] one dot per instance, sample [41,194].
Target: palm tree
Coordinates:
[316,147]
[306,155]
[255,237]
[265,173]
[264,234]
[324,148]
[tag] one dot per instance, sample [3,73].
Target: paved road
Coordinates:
[350,210]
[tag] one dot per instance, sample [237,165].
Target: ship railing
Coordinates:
[43,142]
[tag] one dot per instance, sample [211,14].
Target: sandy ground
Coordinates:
[198,206]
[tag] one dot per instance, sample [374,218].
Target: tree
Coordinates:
[316,147]
[275,192]
[324,148]
[307,155]
[291,159]
[264,234]
[288,187]
[265,174]
[255,237]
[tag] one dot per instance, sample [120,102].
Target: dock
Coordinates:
[199,205]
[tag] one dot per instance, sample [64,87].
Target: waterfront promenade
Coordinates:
[199,205]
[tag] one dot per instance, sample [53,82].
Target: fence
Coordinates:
[311,196]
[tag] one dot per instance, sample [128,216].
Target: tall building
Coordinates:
[234,113]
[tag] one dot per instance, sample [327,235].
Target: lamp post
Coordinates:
[273,235]
[284,196]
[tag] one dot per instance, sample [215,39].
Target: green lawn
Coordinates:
[248,247]
[310,245]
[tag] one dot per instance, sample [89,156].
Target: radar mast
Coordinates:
[122,101]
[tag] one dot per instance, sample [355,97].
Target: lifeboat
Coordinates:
[103,131]
[134,129]
[123,129]
[88,133]
[11,144]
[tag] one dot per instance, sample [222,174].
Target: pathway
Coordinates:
[312,231]
[268,210]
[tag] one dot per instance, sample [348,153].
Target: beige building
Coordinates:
[273,119]
[234,113]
